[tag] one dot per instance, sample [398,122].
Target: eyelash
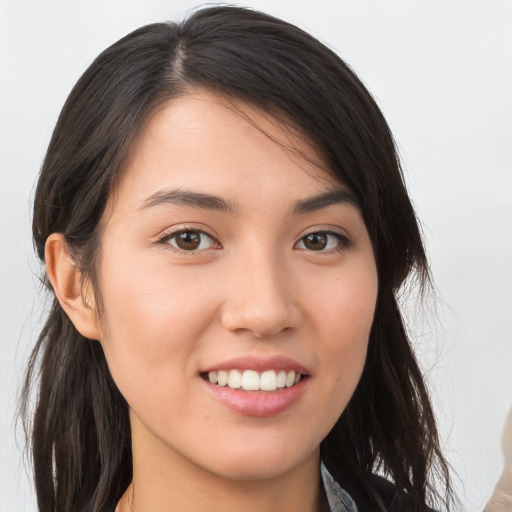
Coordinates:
[343,242]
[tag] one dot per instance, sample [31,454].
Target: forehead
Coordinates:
[203,140]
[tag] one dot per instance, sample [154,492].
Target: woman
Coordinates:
[225,228]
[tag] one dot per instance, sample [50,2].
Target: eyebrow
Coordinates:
[325,199]
[182,197]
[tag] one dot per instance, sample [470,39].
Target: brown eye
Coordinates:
[190,240]
[323,241]
[315,241]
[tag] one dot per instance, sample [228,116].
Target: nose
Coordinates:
[258,297]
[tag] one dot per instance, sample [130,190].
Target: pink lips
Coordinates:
[259,364]
[259,403]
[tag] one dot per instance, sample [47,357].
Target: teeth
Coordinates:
[235,379]
[251,380]
[268,381]
[281,379]
[222,378]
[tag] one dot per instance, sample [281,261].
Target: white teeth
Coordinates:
[223,378]
[268,381]
[235,379]
[251,380]
[281,379]
[290,378]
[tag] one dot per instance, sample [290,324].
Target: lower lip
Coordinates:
[258,403]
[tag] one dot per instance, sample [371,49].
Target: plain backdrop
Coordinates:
[442,73]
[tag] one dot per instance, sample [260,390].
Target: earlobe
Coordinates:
[65,277]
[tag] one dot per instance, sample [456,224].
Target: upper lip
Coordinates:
[260,364]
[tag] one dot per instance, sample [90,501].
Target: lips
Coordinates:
[257,387]
[259,364]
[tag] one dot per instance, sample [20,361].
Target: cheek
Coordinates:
[151,324]
[344,305]
[344,310]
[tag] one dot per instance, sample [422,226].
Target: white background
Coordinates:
[442,73]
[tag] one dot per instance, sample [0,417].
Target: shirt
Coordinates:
[338,499]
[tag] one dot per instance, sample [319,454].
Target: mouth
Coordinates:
[257,386]
[252,380]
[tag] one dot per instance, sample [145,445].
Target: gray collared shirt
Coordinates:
[338,499]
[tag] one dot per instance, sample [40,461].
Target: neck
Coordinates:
[164,480]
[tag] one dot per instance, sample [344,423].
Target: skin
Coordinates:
[253,287]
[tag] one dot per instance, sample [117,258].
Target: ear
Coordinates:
[65,276]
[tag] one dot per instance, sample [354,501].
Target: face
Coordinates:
[226,257]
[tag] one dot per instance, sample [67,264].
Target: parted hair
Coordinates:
[79,431]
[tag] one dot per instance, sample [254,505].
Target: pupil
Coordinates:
[188,240]
[316,241]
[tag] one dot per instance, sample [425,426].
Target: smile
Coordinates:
[251,380]
[257,386]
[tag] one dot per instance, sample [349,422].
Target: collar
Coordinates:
[338,499]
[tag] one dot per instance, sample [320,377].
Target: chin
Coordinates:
[261,463]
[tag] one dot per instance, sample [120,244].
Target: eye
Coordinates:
[323,241]
[189,240]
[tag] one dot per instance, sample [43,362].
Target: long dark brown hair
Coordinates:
[79,434]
